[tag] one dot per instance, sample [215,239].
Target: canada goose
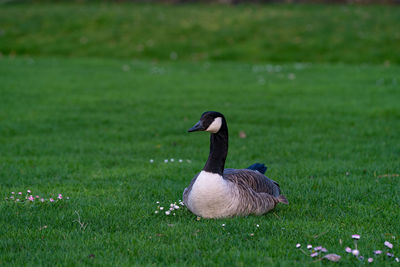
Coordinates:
[216,192]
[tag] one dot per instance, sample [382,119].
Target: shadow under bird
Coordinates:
[217,192]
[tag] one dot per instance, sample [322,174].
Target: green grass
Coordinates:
[89,94]
[87,129]
[256,33]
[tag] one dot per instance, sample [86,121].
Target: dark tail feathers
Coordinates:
[283,199]
[258,167]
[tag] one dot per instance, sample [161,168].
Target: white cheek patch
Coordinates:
[215,125]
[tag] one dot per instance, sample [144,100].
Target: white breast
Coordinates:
[211,196]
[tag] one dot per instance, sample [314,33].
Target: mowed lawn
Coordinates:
[95,97]
[87,128]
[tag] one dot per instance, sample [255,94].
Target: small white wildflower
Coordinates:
[171,209]
[309,247]
[298,245]
[167,212]
[370,260]
[258,225]
[291,76]
[223,225]
[397,259]
[125,67]
[355,252]
[165,161]
[157,202]
[314,254]
[355,237]
[152,160]
[176,207]
[180,161]
[172,160]
[161,208]
[173,213]
[348,250]
[388,244]
[332,257]
[156,212]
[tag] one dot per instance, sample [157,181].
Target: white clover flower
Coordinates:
[176,207]
[167,212]
[355,237]
[309,247]
[171,209]
[223,225]
[180,161]
[158,202]
[258,225]
[151,160]
[298,245]
[172,160]
[161,208]
[348,250]
[156,212]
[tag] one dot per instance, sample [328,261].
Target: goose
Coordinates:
[216,192]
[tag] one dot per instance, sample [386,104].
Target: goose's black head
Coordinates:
[210,121]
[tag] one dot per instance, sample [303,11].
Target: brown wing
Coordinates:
[253,179]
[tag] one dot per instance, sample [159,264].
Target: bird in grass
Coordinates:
[217,192]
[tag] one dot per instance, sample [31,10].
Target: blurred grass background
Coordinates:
[250,33]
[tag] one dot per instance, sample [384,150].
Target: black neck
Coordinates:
[218,151]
